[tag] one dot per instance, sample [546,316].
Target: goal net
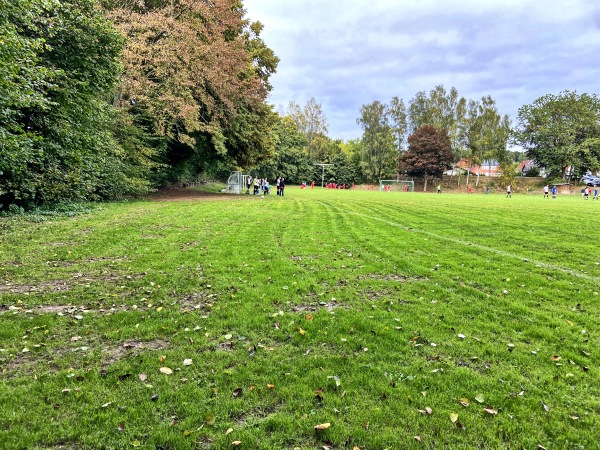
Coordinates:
[396,186]
[235,183]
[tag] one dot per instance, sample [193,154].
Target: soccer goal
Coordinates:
[235,183]
[396,186]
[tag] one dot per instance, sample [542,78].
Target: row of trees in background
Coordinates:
[436,130]
[105,98]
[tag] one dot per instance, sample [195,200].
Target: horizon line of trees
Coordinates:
[106,98]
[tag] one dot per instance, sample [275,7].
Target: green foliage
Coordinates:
[488,132]
[58,141]
[561,131]
[380,154]
[429,153]
[196,74]
[533,172]
[290,160]
[312,123]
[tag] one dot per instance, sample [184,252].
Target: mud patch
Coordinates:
[63,310]
[190,194]
[130,348]
[257,415]
[110,354]
[47,286]
[198,301]
[58,286]
[392,277]
[314,307]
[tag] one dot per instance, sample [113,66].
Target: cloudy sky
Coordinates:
[347,53]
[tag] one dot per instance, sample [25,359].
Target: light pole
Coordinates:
[323,174]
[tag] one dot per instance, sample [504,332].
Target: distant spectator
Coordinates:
[546,192]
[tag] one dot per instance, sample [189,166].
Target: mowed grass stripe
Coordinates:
[265,273]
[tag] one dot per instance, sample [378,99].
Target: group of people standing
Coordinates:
[587,191]
[262,184]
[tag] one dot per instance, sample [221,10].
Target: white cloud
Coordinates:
[349,53]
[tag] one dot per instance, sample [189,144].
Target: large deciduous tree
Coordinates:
[429,153]
[379,152]
[445,110]
[487,133]
[312,122]
[197,73]
[561,131]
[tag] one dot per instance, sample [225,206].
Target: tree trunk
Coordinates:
[468,176]
[425,184]
[477,182]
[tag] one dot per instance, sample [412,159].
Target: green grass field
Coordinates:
[394,320]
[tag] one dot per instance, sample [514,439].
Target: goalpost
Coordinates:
[235,183]
[396,186]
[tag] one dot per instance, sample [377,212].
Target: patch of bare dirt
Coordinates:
[73,310]
[391,277]
[46,286]
[175,194]
[314,307]
[198,301]
[111,353]
[257,414]
[130,348]
[63,285]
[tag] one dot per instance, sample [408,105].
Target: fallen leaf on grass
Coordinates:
[210,419]
[453,417]
[428,410]
[229,430]
[309,317]
[271,386]
[417,438]
[136,443]
[490,410]
[460,425]
[236,443]
[322,426]
[237,392]
[187,362]
[227,337]
[166,370]
[546,407]
[480,398]
[143,376]
[555,358]
[319,394]
[301,331]
[106,405]
[465,402]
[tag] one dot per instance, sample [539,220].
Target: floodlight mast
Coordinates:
[323,174]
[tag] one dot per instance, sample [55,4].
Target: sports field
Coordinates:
[323,319]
